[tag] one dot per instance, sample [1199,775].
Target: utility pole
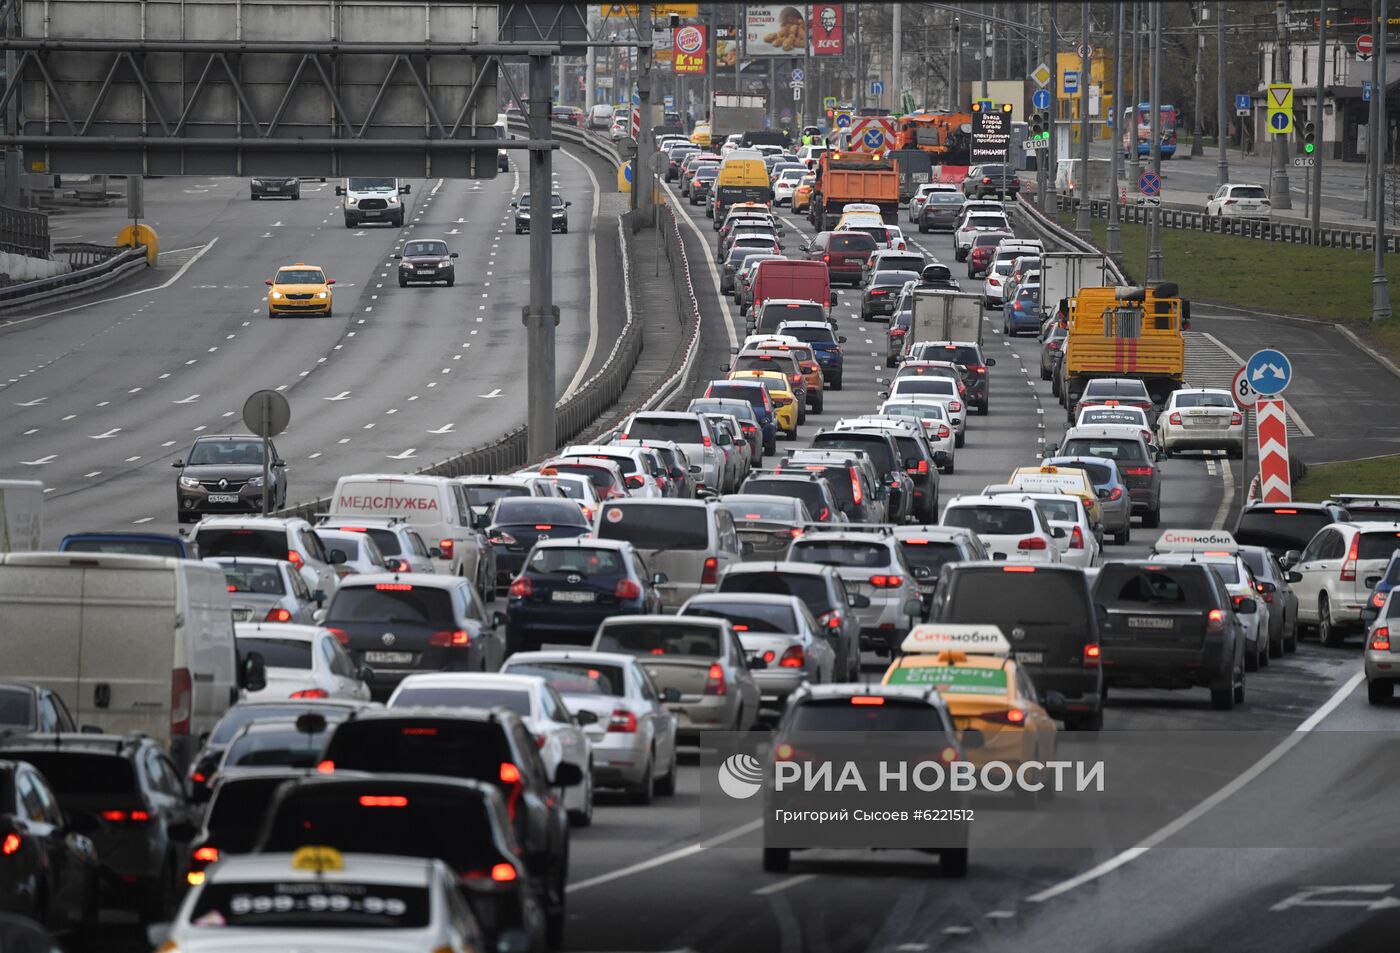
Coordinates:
[858,70]
[541,316]
[1154,255]
[1130,126]
[811,95]
[1053,41]
[1086,70]
[955,100]
[711,66]
[1115,247]
[1279,195]
[14,157]
[645,186]
[987,46]
[1198,12]
[897,24]
[1380,285]
[1315,173]
[1222,165]
[1373,123]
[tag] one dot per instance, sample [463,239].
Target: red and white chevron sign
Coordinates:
[636,122]
[1271,424]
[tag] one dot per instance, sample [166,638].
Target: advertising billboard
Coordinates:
[828,29]
[689,49]
[775,29]
[726,46]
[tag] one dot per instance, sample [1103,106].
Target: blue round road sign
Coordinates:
[1040,99]
[1268,371]
[1149,183]
[1279,121]
[873,138]
[843,121]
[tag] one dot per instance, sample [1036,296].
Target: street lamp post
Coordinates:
[1198,129]
[1154,255]
[1316,171]
[1380,285]
[1081,224]
[1130,128]
[1115,249]
[1279,195]
[1222,166]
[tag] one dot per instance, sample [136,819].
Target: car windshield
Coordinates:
[842,553]
[1204,400]
[212,453]
[300,276]
[424,249]
[657,526]
[1130,451]
[365,184]
[268,543]
[463,696]
[278,653]
[576,678]
[392,602]
[841,714]
[746,617]
[575,559]
[990,520]
[660,638]
[16,707]
[261,579]
[523,510]
[274,749]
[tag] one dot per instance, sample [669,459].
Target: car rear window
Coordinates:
[130,547]
[1066,510]
[486,494]
[745,392]
[810,588]
[1204,400]
[808,491]
[1130,451]
[535,510]
[1099,474]
[1149,586]
[391,602]
[756,619]
[914,263]
[676,429]
[660,638]
[810,335]
[458,748]
[239,715]
[750,509]
[80,773]
[1280,527]
[263,580]
[795,312]
[994,596]
[1248,192]
[267,543]
[853,241]
[893,715]
[893,279]
[567,559]
[990,520]
[931,385]
[463,696]
[843,553]
[1377,545]
[987,221]
[957,353]
[279,653]
[16,707]
[274,749]
[648,526]
[875,446]
[929,554]
[576,678]
[236,814]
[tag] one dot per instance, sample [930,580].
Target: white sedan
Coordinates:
[938,425]
[633,732]
[559,735]
[1239,201]
[1201,418]
[302,661]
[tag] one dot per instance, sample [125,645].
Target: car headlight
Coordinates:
[522,215]
[323,294]
[255,483]
[444,264]
[406,264]
[189,483]
[559,213]
[351,200]
[275,294]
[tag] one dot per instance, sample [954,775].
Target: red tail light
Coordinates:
[1116,493]
[1053,345]
[503,873]
[393,587]
[1378,600]
[1076,539]
[826,258]
[709,576]
[521,588]
[1138,471]
[921,468]
[1349,567]
[311,693]
[383,800]
[867,700]
[877,292]
[792,658]
[896,332]
[986,180]
[886,582]
[714,681]
[943,432]
[501,539]
[294,558]
[540,741]
[1092,654]
[979,368]
[325,767]
[795,378]
[277,615]
[10,845]
[451,638]
[1215,622]
[955,406]
[622,720]
[1380,642]
[126,817]
[1031,542]
[708,442]
[181,693]
[831,620]
[1011,716]
[206,855]
[447,547]
[1236,419]
[509,773]
[341,636]
[1175,419]
[627,589]
[794,532]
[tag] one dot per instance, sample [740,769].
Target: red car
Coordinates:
[569,114]
[845,254]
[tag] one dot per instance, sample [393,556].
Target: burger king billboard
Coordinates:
[689,49]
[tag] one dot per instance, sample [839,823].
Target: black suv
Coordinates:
[883,451]
[426,260]
[821,590]
[811,489]
[1285,527]
[124,794]
[491,747]
[464,823]
[224,474]
[1000,181]
[1171,625]
[1046,614]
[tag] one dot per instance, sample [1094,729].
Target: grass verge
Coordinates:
[1377,475]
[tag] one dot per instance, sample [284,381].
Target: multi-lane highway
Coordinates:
[101,395]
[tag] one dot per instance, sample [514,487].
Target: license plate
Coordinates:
[1030,658]
[272,188]
[754,537]
[426,271]
[371,214]
[242,615]
[223,497]
[569,595]
[388,658]
[1149,622]
[1198,413]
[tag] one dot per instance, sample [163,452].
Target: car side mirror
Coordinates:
[1268,588]
[405,189]
[1104,494]
[586,717]
[726,368]
[1050,449]
[498,618]
[336,557]
[158,933]
[757,663]
[319,616]
[567,775]
[1370,583]
[90,730]
[670,695]
[514,205]
[253,672]
[279,464]
[339,190]
[435,552]
[857,601]
[1294,576]
[972,738]
[319,596]
[1158,454]
[913,607]
[840,339]
[1247,607]
[453,255]
[1290,559]
[659,579]
[834,299]
[991,362]
[178,464]
[567,204]
[364,674]
[883,395]
[696,469]
[267,281]
[1054,704]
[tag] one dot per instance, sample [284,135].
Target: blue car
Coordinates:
[1371,609]
[1024,314]
[825,344]
[130,544]
[517,523]
[757,395]
[568,586]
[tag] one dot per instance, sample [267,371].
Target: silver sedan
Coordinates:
[268,590]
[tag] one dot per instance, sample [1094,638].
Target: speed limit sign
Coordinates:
[1244,393]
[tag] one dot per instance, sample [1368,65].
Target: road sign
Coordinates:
[796,93]
[1040,99]
[843,120]
[877,88]
[873,138]
[991,133]
[1071,81]
[1243,101]
[1245,395]
[1148,201]
[624,177]
[1365,44]
[1365,90]
[266,413]
[1271,426]
[797,74]
[1042,75]
[636,122]
[670,102]
[636,98]
[1280,103]
[1150,183]
[797,84]
[829,102]
[1083,53]
[1303,162]
[1269,371]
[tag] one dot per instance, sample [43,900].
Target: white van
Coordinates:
[372,198]
[131,643]
[434,506]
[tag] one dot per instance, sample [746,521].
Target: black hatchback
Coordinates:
[428,261]
[517,523]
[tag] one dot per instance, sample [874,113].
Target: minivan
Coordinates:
[692,542]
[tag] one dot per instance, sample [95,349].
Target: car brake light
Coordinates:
[311,693]
[1380,642]
[509,773]
[181,692]
[876,292]
[1138,471]
[294,558]
[1076,539]
[867,700]
[709,576]
[503,873]
[1011,716]
[627,589]
[126,817]
[521,588]
[393,587]
[714,681]
[792,658]
[341,636]
[826,258]
[1031,542]
[896,332]
[450,638]
[986,180]
[207,855]
[1053,345]
[623,721]
[277,615]
[1092,653]
[921,468]
[1215,621]
[1349,567]
[1175,420]
[955,406]
[944,432]
[10,845]
[501,539]
[447,547]
[1236,419]
[1378,599]
[1116,493]
[708,442]
[1018,569]
[325,767]
[383,800]
[886,582]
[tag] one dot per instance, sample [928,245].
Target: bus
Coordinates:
[1143,124]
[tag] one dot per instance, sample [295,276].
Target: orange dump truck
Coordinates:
[847,177]
[1125,332]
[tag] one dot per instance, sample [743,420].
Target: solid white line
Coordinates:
[592,234]
[1227,494]
[1201,809]
[679,854]
[684,216]
[78,307]
[782,885]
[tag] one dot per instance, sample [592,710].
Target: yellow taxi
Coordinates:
[299,289]
[983,687]
[802,195]
[700,135]
[784,401]
[1049,478]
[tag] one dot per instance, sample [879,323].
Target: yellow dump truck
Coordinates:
[1125,332]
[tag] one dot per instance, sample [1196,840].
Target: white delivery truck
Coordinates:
[1062,274]
[131,643]
[946,316]
[21,515]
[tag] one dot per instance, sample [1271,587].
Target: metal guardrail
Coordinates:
[108,265]
[1277,231]
[1053,233]
[23,232]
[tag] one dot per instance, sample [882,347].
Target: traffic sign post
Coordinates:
[1365,46]
[991,133]
[1280,108]
[797,75]
[1245,395]
[877,88]
[266,413]
[1271,428]
[843,120]
[1269,371]
[1244,104]
[1150,183]
[1071,82]
[1365,90]
[829,102]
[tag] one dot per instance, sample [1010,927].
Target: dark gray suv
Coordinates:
[224,474]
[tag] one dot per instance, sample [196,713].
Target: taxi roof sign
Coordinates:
[1195,541]
[936,638]
[317,859]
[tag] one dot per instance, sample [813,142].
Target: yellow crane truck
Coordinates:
[1124,332]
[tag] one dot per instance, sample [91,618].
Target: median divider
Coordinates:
[95,267]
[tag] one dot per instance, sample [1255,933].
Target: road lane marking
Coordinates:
[32,403]
[491,396]
[41,461]
[144,519]
[1209,804]
[106,436]
[728,313]
[668,858]
[1227,494]
[592,282]
[782,885]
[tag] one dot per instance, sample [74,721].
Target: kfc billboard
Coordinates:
[828,29]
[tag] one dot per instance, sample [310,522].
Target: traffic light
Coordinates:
[1040,125]
[1309,138]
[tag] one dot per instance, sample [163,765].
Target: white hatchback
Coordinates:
[1236,200]
[303,661]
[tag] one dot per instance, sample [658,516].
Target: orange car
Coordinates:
[806,361]
[802,195]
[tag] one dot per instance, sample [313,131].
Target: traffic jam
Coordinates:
[248,735]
